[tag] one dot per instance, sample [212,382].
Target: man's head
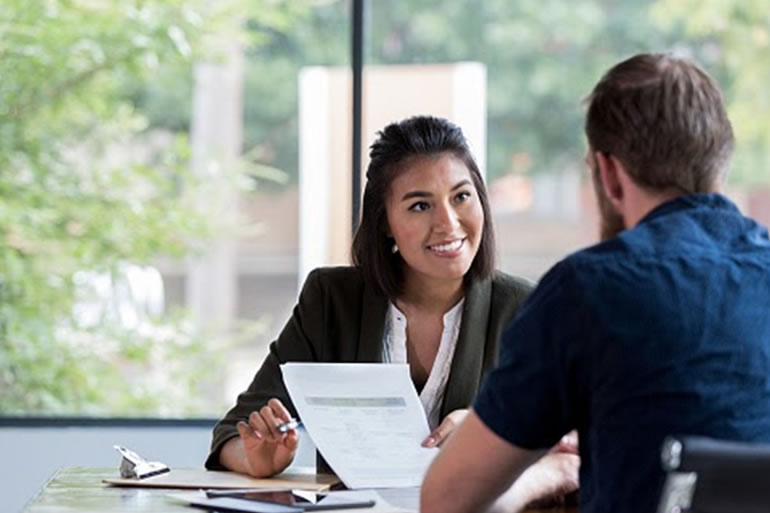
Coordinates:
[662,120]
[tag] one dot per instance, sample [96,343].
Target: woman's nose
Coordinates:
[445,218]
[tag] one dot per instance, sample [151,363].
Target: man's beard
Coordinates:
[610,221]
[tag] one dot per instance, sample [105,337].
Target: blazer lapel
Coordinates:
[467,363]
[373,312]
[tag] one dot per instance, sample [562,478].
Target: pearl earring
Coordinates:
[394,249]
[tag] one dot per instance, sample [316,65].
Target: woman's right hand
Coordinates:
[268,452]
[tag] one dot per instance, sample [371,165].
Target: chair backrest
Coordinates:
[705,475]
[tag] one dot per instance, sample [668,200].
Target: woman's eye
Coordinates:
[420,206]
[462,196]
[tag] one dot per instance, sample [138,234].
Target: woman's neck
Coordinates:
[438,296]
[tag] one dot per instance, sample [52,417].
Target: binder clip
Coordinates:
[134,466]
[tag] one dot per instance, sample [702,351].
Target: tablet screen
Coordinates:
[286,497]
[280,500]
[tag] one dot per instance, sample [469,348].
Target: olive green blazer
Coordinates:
[340,318]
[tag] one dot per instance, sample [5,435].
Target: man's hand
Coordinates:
[547,481]
[268,451]
[474,467]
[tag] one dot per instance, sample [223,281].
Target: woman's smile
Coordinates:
[447,249]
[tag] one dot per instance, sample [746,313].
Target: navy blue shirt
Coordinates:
[662,330]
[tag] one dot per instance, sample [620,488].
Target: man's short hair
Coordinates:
[664,118]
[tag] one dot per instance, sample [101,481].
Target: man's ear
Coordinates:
[610,169]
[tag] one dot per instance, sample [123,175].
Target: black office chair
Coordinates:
[714,476]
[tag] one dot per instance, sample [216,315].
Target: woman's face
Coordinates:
[435,216]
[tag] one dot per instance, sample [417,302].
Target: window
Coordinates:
[541,58]
[172,169]
[150,198]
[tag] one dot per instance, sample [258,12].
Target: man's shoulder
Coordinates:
[574,276]
[621,250]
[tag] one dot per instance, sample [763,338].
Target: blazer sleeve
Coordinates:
[298,341]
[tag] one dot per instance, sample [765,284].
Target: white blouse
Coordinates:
[394,351]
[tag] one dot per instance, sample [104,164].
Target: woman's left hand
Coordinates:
[442,432]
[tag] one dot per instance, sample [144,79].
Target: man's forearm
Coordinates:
[474,468]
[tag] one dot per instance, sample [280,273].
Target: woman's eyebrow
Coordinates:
[461,183]
[416,194]
[426,194]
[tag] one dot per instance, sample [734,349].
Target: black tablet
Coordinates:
[283,501]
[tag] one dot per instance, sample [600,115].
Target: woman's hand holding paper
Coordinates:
[442,432]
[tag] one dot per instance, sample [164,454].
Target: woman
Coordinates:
[422,290]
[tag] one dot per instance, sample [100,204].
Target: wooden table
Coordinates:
[80,489]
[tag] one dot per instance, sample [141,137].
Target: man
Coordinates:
[663,328]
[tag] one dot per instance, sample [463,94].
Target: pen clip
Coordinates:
[288,426]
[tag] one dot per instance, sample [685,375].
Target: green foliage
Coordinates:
[81,192]
[732,39]
[542,58]
[95,103]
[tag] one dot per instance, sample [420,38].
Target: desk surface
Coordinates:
[81,490]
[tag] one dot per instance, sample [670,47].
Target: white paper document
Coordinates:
[365,419]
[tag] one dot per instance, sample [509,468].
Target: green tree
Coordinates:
[83,79]
[90,189]
[542,58]
[732,38]
[281,37]
[71,205]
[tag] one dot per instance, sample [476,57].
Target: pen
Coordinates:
[288,426]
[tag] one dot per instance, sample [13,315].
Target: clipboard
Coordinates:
[195,478]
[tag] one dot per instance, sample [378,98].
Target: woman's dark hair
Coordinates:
[396,146]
